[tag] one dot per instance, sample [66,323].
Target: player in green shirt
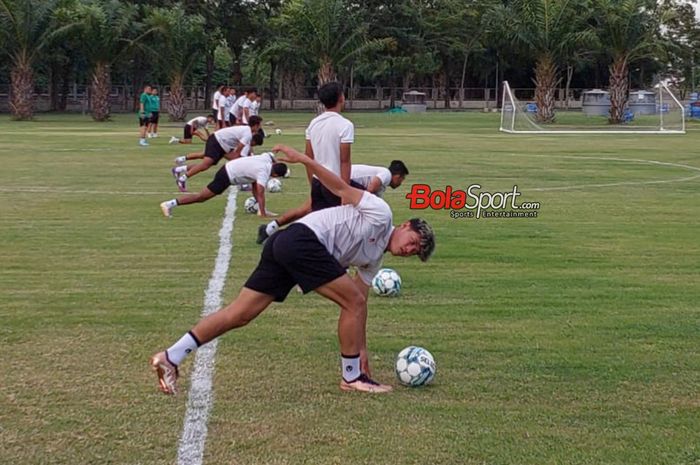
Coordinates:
[144,114]
[154,106]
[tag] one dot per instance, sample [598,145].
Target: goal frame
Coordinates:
[509,99]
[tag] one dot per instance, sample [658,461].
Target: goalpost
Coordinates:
[668,117]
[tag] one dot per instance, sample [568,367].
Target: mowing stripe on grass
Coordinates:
[201,397]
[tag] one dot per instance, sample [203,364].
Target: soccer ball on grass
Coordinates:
[278,131]
[387,282]
[415,366]
[250,205]
[274,185]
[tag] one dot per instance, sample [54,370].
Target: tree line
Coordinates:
[547,44]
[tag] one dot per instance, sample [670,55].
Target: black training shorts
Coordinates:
[188,132]
[293,256]
[221,181]
[213,149]
[322,197]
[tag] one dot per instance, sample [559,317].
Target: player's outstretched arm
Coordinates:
[347,193]
[259,194]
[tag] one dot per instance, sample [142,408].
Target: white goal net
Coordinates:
[664,115]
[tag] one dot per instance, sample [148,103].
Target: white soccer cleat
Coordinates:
[173,140]
[166,371]
[167,210]
[143,143]
[155,134]
[365,384]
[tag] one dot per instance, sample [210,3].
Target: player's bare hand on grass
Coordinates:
[167,373]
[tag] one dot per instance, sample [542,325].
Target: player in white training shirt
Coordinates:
[194,127]
[215,102]
[229,143]
[255,170]
[255,106]
[329,138]
[373,179]
[223,101]
[241,109]
[315,253]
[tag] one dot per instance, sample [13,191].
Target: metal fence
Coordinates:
[125,98]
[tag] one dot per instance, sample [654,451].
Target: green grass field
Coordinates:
[570,338]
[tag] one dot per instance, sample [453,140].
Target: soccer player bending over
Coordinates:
[255,170]
[315,253]
[229,143]
[194,127]
[374,179]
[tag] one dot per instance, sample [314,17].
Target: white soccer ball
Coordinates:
[251,205]
[288,173]
[387,282]
[274,185]
[278,131]
[415,366]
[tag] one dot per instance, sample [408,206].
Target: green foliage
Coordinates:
[28,27]
[180,37]
[109,29]
[328,33]
[543,27]
[629,29]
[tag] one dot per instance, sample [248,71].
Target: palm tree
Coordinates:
[548,30]
[180,39]
[109,30]
[28,27]
[329,33]
[628,31]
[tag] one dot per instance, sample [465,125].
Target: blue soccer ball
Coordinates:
[415,366]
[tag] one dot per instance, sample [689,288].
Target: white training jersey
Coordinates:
[198,122]
[363,175]
[230,100]
[247,170]
[354,235]
[254,108]
[241,103]
[215,100]
[231,107]
[326,132]
[229,138]
[222,105]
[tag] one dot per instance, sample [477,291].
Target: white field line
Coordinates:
[201,397]
[623,183]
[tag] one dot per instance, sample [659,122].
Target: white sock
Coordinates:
[182,159]
[171,203]
[182,348]
[181,169]
[351,367]
[272,227]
